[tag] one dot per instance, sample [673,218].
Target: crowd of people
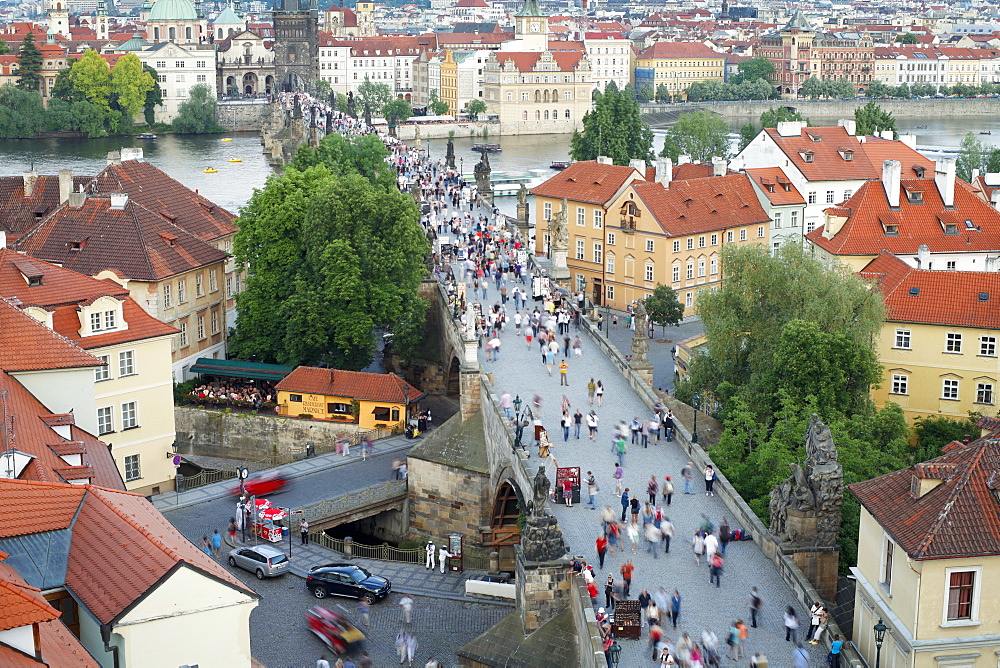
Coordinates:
[256,394]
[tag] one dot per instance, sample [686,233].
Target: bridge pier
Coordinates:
[543,590]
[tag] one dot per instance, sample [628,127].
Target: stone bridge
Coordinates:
[357,505]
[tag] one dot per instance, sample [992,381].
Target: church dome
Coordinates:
[173,10]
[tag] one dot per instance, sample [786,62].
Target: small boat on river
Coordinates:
[560,164]
[226,139]
[236,160]
[487,148]
[987,132]
[211,170]
[145,135]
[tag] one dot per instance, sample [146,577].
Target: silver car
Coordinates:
[263,561]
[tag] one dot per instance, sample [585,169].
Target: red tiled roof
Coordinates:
[20,606]
[958,518]
[679,50]
[935,297]
[358,385]
[28,345]
[122,546]
[44,506]
[587,181]
[702,205]
[525,61]
[18,213]
[96,237]
[917,223]
[776,186]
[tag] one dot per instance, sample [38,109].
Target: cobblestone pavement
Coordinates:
[520,372]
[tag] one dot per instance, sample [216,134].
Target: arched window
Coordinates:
[187,33]
[546,96]
[509,96]
[171,33]
[555,114]
[220,33]
[538,96]
[156,34]
[567,115]
[524,115]
[538,115]
[546,112]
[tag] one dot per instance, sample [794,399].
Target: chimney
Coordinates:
[944,179]
[114,158]
[30,179]
[76,200]
[909,140]
[638,165]
[683,160]
[790,128]
[132,153]
[65,184]
[886,134]
[604,160]
[848,124]
[119,200]
[975,174]
[3,239]
[719,166]
[923,256]
[664,171]
[891,172]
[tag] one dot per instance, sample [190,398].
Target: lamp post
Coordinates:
[695,404]
[519,422]
[880,630]
[615,652]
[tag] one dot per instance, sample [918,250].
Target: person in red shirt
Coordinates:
[592,590]
[602,549]
[627,570]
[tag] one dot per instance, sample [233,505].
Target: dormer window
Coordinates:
[847,154]
[919,171]
[951,228]
[808,156]
[34,281]
[76,246]
[891,230]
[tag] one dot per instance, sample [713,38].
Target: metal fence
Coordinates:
[207,477]
[386,552]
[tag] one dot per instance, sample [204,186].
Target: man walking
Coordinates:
[406,603]
[756,603]
[625,503]
[591,491]
[675,608]
[563,373]
[627,570]
[364,609]
[688,472]
[304,531]
[430,554]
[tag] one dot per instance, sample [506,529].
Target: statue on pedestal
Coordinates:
[368,114]
[640,337]
[297,108]
[557,228]
[483,171]
[449,156]
[522,207]
[805,507]
[351,107]
[541,539]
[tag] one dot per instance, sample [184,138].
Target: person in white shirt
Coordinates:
[322,662]
[443,555]
[430,555]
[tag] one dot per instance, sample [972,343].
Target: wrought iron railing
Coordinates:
[207,477]
[386,552]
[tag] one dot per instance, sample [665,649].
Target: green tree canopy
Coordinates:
[129,84]
[908,38]
[475,107]
[934,432]
[29,64]
[971,155]
[197,113]
[872,119]
[154,96]
[663,306]
[614,128]
[755,68]
[4,49]
[22,115]
[345,155]
[376,95]
[63,88]
[91,76]
[333,257]
[699,134]
[769,119]
[323,88]
[645,93]
[396,111]
[435,105]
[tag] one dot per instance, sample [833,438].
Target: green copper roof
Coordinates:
[798,21]
[227,16]
[137,43]
[173,10]
[530,9]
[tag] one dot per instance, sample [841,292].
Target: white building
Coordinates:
[611,59]
[179,69]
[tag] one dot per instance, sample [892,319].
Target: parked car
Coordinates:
[263,561]
[334,630]
[347,580]
[262,484]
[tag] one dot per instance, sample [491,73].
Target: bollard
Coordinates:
[348,547]
[494,562]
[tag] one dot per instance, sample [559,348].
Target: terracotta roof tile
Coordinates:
[18,213]
[43,506]
[358,385]
[958,518]
[18,607]
[776,186]
[28,345]
[679,50]
[587,181]
[935,297]
[702,205]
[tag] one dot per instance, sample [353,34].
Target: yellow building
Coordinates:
[369,399]
[938,346]
[449,81]
[665,231]
[677,65]
[928,545]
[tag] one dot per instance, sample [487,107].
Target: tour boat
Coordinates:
[508,184]
[226,139]
[488,148]
[987,132]
[921,127]
[145,135]
[560,164]
[236,160]
[211,170]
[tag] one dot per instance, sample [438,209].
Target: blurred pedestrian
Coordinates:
[364,609]
[406,603]
[216,543]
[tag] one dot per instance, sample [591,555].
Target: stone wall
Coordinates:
[838,108]
[446,499]
[242,117]
[543,591]
[443,130]
[245,436]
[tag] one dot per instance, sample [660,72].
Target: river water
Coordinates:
[185,157]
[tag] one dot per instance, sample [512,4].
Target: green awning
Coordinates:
[238,369]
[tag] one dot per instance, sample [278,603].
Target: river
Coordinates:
[185,157]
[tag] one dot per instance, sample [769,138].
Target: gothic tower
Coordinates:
[102,20]
[532,27]
[364,11]
[296,44]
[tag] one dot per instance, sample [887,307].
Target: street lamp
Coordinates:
[520,420]
[880,630]
[695,404]
[615,651]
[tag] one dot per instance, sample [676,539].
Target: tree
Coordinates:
[323,89]
[29,64]
[4,49]
[375,95]
[971,156]
[812,87]
[872,119]
[748,132]
[343,156]
[645,93]
[341,102]
[396,111]
[80,116]
[196,114]
[63,88]
[908,38]
[334,255]
[699,134]
[935,432]
[129,85]
[662,93]
[154,96]
[435,105]
[992,161]
[614,128]
[769,119]
[663,306]
[755,68]
[91,76]
[22,114]
[474,108]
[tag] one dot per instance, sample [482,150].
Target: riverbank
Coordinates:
[900,108]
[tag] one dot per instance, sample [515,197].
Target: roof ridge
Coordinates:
[141,528]
[960,484]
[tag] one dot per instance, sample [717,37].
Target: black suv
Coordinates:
[347,580]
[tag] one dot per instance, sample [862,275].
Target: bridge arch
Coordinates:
[505,510]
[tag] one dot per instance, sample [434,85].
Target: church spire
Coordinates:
[530,8]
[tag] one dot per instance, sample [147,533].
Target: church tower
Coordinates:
[296,44]
[102,20]
[59,17]
[531,27]
[364,11]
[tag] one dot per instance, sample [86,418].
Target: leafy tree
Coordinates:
[4,49]
[376,95]
[91,76]
[196,114]
[992,162]
[323,89]
[872,119]
[935,432]
[748,132]
[756,89]
[475,107]
[436,105]
[971,156]
[63,88]
[755,68]
[645,93]
[29,64]
[129,85]
[903,90]
[335,254]
[812,87]
[700,134]
[879,89]
[341,102]
[154,96]
[614,128]
[22,114]
[343,156]
[80,116]
[663,306]
[908,38]
[396,111]
[662,93]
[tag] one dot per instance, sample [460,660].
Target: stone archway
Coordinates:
[453,388]
[504,532]
[249,83]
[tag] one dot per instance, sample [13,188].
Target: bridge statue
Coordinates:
[522,208]
[483,183]
[805,507]
[640,337]
[541,539]
[449,156]
[351,107]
